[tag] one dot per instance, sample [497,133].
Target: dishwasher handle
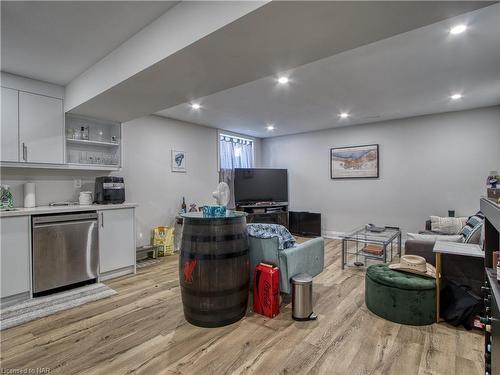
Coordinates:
[64,223]
[38,220]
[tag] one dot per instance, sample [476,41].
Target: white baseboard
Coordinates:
[331,234]
[116,273]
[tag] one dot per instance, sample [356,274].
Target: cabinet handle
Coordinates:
[25,152]
[102,219]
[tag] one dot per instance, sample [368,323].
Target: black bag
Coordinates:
[459,305]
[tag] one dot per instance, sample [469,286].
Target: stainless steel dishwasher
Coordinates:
[65,250]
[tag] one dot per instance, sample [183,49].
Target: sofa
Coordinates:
[462,270]
[307,257]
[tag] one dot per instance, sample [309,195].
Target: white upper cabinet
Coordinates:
[9,126]
[41,129]
[34,133]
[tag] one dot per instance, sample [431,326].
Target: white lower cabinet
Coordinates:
[116,240]
[14,256]
[116,250]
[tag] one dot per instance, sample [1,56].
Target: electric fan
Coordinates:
[222,194]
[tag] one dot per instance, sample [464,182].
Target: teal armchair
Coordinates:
[307,257]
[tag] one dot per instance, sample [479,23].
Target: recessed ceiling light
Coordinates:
[270,127]
[458,29]
[195,106]
[456,96]
[344,115]
[283,80]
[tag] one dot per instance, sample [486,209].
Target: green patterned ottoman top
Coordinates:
[382,274]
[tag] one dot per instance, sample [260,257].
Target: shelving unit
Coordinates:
[92,143]
[491,211]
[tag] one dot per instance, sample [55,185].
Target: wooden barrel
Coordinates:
[214,269]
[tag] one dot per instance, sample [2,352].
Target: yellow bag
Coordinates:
[164,237]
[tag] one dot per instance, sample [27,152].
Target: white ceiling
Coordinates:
[277,36]
[56,41]
[410,74]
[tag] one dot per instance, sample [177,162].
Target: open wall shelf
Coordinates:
[92,143]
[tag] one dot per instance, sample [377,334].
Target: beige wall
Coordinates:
[428,164]
[147,144]
[51,185]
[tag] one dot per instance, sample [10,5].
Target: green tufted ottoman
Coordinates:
[400,297]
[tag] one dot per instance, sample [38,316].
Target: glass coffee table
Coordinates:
[361,245]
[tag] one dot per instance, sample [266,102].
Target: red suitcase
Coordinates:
[266,290]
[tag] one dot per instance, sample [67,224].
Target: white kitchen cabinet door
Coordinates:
[14,255]
[41,129]
[10,125]
[116,239]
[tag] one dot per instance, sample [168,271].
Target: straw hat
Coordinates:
[414,264]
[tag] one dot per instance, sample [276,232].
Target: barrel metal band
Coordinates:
[190,255]
[215,238]
[223,310]
[219,293]
[212,324]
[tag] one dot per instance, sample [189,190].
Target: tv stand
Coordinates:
[265,212]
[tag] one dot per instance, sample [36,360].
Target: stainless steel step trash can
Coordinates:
[302,306]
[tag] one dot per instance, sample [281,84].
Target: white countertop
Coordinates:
[21,211]
[457,248]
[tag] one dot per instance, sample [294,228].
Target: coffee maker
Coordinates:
[109,190]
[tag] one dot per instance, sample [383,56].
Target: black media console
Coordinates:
[268,213]
[305,224]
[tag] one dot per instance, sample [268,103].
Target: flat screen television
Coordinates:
[253,185]
[305,223]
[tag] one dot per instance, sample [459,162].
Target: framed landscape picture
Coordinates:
[354,162]
[178,161]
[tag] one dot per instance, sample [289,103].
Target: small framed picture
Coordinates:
[178,161]
[354,162]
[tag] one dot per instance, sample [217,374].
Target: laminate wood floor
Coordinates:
[142,330]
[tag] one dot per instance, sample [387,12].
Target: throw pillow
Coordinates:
[471,232]
[434,237]
[475,235]
[447,225]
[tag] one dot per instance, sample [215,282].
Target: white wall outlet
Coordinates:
[78,183]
